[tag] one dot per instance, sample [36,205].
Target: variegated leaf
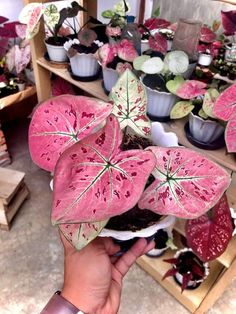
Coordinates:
[130,102]
[181,109]
[30,15]
[60,122]
[94,180]
[191,89]
[209,100]
[225,105]
[186,185]
[230,135]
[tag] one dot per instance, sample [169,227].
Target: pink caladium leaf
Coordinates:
[186,184]
[155,23]
[30,15]
[3,19]
[130,102]
[209,236]
[158,43]
[21,30]
[207,35]
[126,50]
[79,235]
[228,19]
[107,53]
[191,89]
[60,122]
[94,180]
[122,67]
[230,135]
[225,105]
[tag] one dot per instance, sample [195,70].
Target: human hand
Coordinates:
[93,276]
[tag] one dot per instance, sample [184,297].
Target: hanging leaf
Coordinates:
[207,35]
[130,104]
[228,19]
[230,135]
[60,122]
[225,105]
[175,84]
[176,62]
[209,101]
[30,15]
[181,109]
[81,234]
[138,62]
[158,43]
[191,89]
[209,236]
[126,50]
[94,180]
[186,184]
[152,66]
[87,36]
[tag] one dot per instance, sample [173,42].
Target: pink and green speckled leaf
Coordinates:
[130,104]
[126,50]
[191,89]
[30,15]
[181,109]
[209,237]
[186,184]
[225,105]
[230,135]
[209,101]
[94,180]
[158,43]
[79,235]
[60,122]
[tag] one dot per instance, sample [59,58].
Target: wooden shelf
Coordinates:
[17,97]
[93,88]
[191,299]
[226,258]
[220,155]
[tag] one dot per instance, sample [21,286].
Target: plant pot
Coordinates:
[84,66]
[56,53]
[205,131]
[230,52]
[110,77]
[159,104]
[161,237]
[21,86]
[204,59]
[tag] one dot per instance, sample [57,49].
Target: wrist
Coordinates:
[78,301]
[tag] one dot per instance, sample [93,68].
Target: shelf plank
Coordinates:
[226,258]
[93,88]
[17,97]
[220,155]
[191,299]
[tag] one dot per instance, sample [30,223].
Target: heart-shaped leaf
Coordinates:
[51,15]
[230,135]
[158,43]
[60,122]
[181,109]
[209,236]
[225,105]
[207,35]
[186,184]
[81,234]
[107,53]
[130,102]
[175,84]
[94,180]
[191,89]
[138,62]
[126,50]
[228,19]
[87,36]
[152,66]
[156,23]
[209,101]
[176,62]
[30,15]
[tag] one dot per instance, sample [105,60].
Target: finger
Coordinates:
[149,247]
[110,247]
[128,259]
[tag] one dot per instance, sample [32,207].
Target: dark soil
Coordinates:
[56,41]
[155,82]
[135,142]
[185,264]
[115,61]
[84,49]
[161,237]
[8,90]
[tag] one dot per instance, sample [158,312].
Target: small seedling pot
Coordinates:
[161,238]
[204,59]
[205,131]
[110,77]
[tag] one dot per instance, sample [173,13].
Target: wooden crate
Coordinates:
[13,192]
[4,155]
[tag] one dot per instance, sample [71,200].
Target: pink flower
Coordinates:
[113,31]
[122,67]
[154,23]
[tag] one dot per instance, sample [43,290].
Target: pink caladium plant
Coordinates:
[158,43]
[230,135]
[228,19]
[130,104]
[94,180]
[156,23]
[209,236]
[186,184]
[30,15]
[126,50]
[60,122]
[225,105]
[107,53]
[207,35]
[191,89]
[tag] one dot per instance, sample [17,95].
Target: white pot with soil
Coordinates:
[205,131]
[110,77]
[55,49]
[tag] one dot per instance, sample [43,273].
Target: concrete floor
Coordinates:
[31,261]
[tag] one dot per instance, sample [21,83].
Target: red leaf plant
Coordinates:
[158,43]
[156,23]
[225,109]
[60,122]
[186,184]
[228,19]
[207,35]
[209,235]
[191,89]
[94,180]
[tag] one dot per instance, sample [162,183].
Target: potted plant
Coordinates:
[54,19]
[203,129]
[157,75]
[229,25]
[187,269]
[95,180]
[115,59]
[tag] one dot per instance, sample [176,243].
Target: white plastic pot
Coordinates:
[206,131]
[204,59]
[84,65]
[110,77]
[144,45]
[21,86]
[56,53]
